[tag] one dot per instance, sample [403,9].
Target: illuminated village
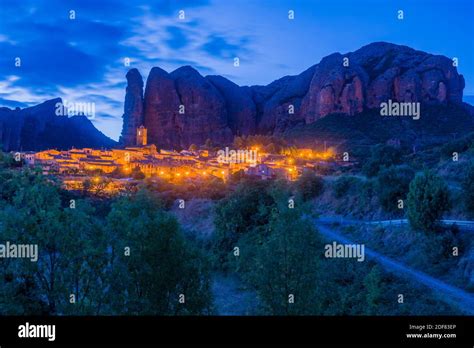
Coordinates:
[120,167]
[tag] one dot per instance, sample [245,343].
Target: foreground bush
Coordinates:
[427,201]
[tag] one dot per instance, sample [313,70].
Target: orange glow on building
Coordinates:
[77,164]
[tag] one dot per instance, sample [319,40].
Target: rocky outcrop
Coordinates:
[161,109]
[241,109]
[279,103]
[378,72]
[216,108]
[335,88]
[133,108]
[409,75]
[38,128]
[184,108]
[204,114]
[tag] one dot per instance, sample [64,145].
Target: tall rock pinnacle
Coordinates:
[133,108]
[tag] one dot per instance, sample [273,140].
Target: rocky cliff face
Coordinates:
[240,107]
[161,109]
[183,108]
[203,110]
[133,108]
[215,108]
[38,128]
[376,73]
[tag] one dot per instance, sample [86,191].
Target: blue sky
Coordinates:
[82,60]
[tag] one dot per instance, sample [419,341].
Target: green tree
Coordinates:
[246,209]
[427,201]
[381,156]
[309,185]
[98,185]
[83,261]
[71,253]
[284,268]
[153,265]
[392,184]
[374,290]
[340,289]
[344,184]
[4,160]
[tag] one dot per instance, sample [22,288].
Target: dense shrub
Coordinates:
[343,184]
[246,209]
[381,156]
[427,201]
[459,145]
[392,184]
[309,185]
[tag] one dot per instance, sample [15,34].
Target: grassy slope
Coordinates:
[435,126]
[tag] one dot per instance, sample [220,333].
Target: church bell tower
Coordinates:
[141,136]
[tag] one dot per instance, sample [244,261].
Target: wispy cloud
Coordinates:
[82,60]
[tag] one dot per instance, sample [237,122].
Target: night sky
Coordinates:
[83,59]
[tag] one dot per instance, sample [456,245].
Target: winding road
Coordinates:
[450,294]
[467,225]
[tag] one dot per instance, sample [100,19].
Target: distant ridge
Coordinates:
[38,128]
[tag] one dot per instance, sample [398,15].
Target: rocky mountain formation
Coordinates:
[183,107]
[38,128]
